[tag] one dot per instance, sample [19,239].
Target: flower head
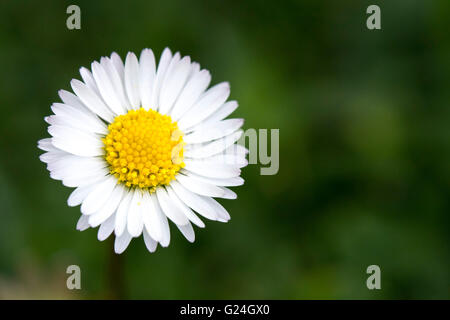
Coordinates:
[143,144]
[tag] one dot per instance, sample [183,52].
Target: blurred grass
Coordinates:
[364,148]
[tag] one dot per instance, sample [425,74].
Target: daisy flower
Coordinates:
[143,144]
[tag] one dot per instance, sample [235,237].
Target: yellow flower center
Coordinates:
[144,149]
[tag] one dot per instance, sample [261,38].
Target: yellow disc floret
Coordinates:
[144,149]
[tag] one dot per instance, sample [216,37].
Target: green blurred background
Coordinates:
[364,177]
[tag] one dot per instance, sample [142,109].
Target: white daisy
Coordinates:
[143,144]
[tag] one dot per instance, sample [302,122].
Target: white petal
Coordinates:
[75,123]
[52,156]
[173,83]
[223,214]
[195,68]
[117,82]
[135,222]
[108,208]
[106,228]
[237,159]
[83,117]
[188,232]
[58,160]
[149,242]
[71,133]
[70,166]
[147,74]
[97,198]
[46,145]
[170,210]
[82,223]
[78,109]
[76,163]
[79,194]
[195,86]
[228,159]
[89,80]
[132,80]
[76,142]
[217,130]
[186,210]
[84,179]
[72,100]
[229,182]
[212,148]
[165,229]
[224,111]
[237,149]
[164,62]
[152,222]
[91,100]
[208,103]
[229,194]
[122,213]
[118,64]
[106,88]
[197,186]
[172,64]
[211,169]
[194,201]
[122,242]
